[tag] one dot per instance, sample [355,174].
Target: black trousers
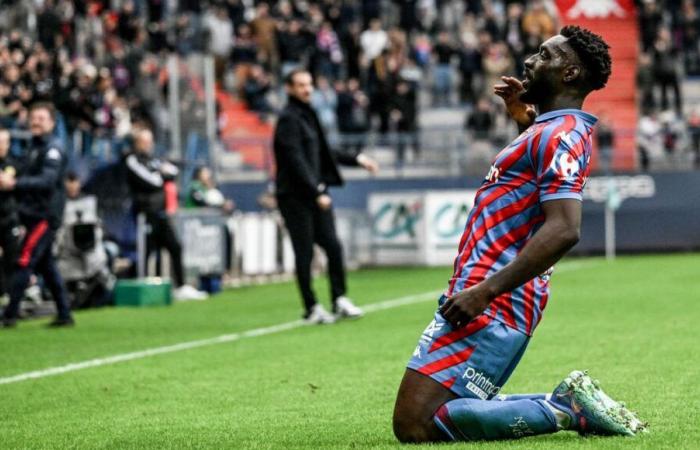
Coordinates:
[9,242]
[161,234]
[36,257]
[308,224]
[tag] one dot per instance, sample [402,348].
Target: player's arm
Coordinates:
[559,232]
[523,114]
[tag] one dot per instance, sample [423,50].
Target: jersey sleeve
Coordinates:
[560,160]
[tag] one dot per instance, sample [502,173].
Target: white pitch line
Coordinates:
[225,338]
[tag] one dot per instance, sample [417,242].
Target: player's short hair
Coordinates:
[289,78]
[48,106]
[593,52]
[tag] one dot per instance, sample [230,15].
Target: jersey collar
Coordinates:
[590,118]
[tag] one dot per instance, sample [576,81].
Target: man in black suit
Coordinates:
[306,167]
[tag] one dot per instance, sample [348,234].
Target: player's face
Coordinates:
[302,86]
[40,122]
[544,70]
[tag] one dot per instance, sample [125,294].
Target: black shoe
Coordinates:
[8,323]
[57,323]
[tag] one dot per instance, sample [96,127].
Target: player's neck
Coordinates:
[560,102]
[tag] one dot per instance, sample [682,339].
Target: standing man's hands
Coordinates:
[324,202]
[368,163]
[462,308]
[523,114]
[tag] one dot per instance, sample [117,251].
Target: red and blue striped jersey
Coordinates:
[548,161]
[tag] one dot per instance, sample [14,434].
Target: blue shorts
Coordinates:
[473,361]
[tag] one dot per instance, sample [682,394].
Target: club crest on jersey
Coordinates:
[565,165]
[494,173]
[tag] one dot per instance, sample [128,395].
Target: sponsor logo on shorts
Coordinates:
[430,330]
[480,384]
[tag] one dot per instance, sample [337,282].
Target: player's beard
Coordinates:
[536,90]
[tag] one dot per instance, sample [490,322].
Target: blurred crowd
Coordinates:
[376,62]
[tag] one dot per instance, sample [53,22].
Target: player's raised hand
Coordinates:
[509,91]
[462,308]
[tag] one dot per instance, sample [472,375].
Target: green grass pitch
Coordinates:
[633,323]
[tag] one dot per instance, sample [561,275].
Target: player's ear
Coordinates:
[572,73]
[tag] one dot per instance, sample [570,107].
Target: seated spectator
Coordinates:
[204,194]
[255,90]
[480,122]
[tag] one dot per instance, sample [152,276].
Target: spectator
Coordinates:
[538,21]
[514,35]
[645,82]
[221,36]
[480,122]
[264,31]
[666,69]
[204,194]
[690,35]
[373,41]
[381,80]
[469,68]
[649,140]
[293,45]
[325,102]
[693,125]
[329,55]
[350,41]
[497,62]
[650,20]
[255,90]
[443,52]
[404,112]
[352,113]
[605,133]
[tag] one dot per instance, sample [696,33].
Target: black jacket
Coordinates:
[146,175]
[306,165]
[39,188]
[8,205]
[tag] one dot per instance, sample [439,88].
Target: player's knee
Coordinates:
[410,429]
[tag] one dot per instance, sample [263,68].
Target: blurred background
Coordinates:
[407,81]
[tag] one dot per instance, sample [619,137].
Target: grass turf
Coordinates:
[633,323]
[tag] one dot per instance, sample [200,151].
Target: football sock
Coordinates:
[467,419]
[562,417]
